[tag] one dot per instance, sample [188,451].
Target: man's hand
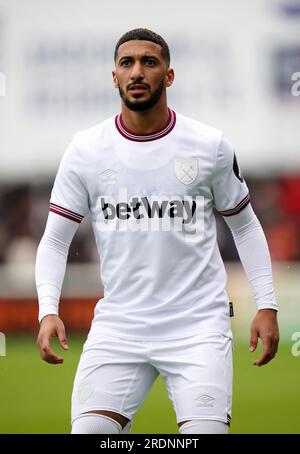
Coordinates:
[264,325]
[51,326]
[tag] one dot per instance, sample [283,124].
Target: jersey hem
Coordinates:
[117,335]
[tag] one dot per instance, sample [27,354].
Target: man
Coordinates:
[150,178]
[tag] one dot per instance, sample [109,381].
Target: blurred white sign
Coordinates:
[233,69]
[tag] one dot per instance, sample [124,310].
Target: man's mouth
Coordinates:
[137,88]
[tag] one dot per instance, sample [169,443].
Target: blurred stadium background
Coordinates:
[237,67]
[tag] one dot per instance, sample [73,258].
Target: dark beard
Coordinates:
[144,105]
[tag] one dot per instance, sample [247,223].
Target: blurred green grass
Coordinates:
[35,396]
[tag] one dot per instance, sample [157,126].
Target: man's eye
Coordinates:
[125,63]
[150,62]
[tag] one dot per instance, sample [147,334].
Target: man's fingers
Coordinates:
[264,359]
[47,354]
[51,358]
[269,351]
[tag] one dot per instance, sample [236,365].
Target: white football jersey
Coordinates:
[151,200]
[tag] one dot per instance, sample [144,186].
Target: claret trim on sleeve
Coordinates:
[238,208]
[65,213]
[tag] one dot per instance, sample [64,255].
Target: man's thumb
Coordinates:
[253,341]
[62,339]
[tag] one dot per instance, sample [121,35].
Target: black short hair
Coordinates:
[145,34]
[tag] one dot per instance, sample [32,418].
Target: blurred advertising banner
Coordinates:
[82,289]
[237,67]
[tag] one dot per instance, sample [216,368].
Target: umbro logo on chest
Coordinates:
[108,176]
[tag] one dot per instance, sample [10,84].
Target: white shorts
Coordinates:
[116,374]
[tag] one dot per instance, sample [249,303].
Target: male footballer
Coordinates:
[150,178]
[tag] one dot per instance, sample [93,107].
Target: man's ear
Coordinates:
[115,80]
[170,77]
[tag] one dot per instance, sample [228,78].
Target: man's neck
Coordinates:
[145,122]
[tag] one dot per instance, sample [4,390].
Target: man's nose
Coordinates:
[137,71]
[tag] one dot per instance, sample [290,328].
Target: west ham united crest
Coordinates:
[186,170]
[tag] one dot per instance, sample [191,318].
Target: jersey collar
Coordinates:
[145,137]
